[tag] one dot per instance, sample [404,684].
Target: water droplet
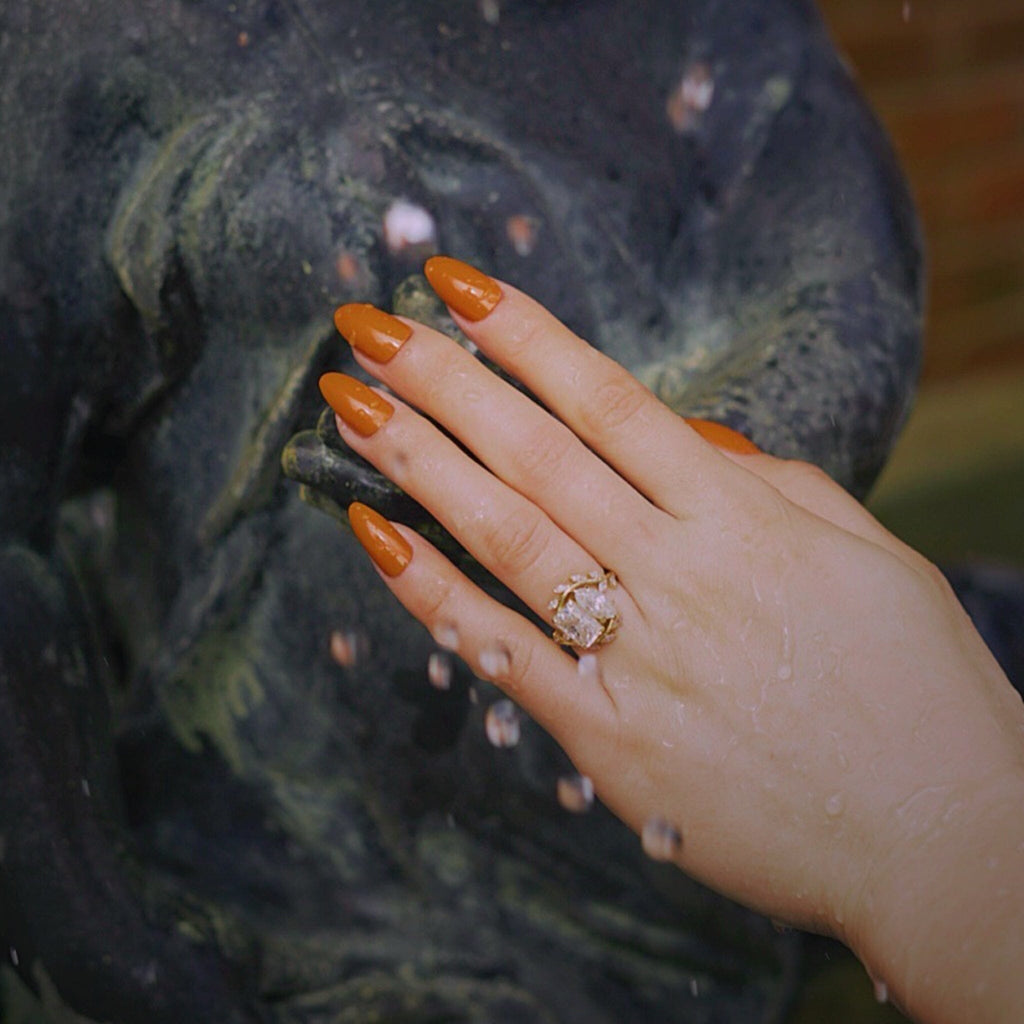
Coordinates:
[906,10]
[502,723]
[86,788]
[691,96]
[694,987]
[588,668]
[439,670]
[474,695]
[881,990]
[495,662]
[660,840]
[14,957]
[490,11]
[447,636]
[576,793]
[522,233]
[785,672]
[834,804]
[407,225]
[348,647]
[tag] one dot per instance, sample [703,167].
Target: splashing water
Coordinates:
[502,724]
[576,793]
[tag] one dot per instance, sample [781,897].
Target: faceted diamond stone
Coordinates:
[578,626]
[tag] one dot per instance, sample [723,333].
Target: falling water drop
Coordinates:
[348,647]
[447,636]
[881,990]
[439,670]
[661,840]
[576,793]
[588,668]
[495,662]
[502,723]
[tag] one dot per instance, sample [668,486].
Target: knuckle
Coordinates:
[437,605]
[516,542]
[613,404]
[544,452]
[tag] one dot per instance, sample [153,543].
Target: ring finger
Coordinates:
[505,532]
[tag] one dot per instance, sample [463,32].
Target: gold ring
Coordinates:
[585,615]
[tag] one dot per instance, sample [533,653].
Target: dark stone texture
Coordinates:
[202,816]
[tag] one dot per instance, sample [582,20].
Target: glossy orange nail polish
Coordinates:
[723,437]
[465,289]
[389,550]
[373,332]
[361,408]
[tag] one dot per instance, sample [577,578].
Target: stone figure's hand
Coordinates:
[794,709]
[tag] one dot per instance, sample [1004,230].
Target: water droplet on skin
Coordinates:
[785,672]
[495,662]
[447,636]
[439,670]
[502,724]
[834,805]
[348,647]
[661,841]
[576,793]
[881,990]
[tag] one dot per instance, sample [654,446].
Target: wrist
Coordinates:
[940,918]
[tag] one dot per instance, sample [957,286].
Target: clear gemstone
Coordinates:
[582,629]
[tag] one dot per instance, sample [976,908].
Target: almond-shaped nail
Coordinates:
[359,406]
[465,289]
[389,550]
[724,437]
[373,332]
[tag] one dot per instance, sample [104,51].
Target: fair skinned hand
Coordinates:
[792,690]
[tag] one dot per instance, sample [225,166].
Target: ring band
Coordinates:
[585,615]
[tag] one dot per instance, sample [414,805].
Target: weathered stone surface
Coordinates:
[203,816]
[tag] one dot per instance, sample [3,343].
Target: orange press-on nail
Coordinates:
[723,437]
[373,332]
[390,551]
[359,406]
[465,289]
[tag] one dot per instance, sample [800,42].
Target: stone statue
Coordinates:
[229,791]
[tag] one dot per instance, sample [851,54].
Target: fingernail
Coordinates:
[373,332]
[360,407]
[462,287]
[389,550]
[723,437]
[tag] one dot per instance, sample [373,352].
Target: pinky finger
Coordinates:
[497,643]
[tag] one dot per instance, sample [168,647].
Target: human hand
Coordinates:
[794,709]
